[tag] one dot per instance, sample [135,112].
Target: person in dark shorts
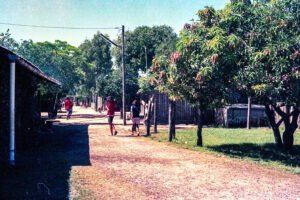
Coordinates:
[135,117]
[110,115]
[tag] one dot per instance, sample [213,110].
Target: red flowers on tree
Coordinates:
[186,26]
[175,57]
[214,59]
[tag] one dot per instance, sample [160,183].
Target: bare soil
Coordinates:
[131,167]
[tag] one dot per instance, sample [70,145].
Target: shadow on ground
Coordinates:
[267,152]
[43,170]
[87,116]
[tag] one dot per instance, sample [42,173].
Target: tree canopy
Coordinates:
[60,60]
[272,71]
[156,40]
[143,44]
[245,47]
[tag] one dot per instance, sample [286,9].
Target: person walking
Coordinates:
[68,107]
[110,115]
[59,105]
[135,117]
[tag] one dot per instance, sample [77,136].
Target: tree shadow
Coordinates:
[86,116]
[43,170]
[266,152]
[100,123]
[129,136]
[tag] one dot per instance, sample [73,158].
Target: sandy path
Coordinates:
[125,167]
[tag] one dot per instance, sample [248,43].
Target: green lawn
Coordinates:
[254,146]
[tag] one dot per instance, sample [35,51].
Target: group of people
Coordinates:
[134,115]
[83,104]
[111,107]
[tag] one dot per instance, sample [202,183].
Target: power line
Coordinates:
[58,27]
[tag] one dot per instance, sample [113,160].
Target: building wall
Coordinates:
[185,113]
[4,105]
[236,116]
[27,115]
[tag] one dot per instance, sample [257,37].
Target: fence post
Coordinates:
[249,114]
[155,114]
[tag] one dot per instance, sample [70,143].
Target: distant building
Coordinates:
[235,115]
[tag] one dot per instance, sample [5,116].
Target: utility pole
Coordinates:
[249,113]
[123,78]
[123,71]
[96,91]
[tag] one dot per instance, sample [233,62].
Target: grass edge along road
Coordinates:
[255,146]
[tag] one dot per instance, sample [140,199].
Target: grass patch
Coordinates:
[77,191]
[254,146]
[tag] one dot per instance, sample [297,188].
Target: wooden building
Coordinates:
[19,100]
[235,115]
[184,113]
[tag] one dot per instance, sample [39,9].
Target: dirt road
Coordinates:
[126,167]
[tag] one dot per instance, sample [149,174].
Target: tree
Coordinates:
[155,39]
[97,51]
[202,68]
[109,85]
[152,42]
[272,73]
[234,48]
[7,41]
[58,60]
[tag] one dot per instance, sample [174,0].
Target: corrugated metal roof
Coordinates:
[29,66]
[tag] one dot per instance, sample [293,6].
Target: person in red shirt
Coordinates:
[110,114]
[68,107]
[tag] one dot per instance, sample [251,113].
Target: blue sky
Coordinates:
[95,13]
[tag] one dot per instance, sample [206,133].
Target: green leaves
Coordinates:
[272,39]
[245,46]
[7,41]
[97,51]
[59,60]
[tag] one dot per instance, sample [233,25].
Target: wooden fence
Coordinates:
[184,112]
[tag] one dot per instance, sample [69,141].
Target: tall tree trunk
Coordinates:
[155,115]
[290,128]
[271,116]
[171,120]
[174,119]
[148,121]
[288,139]
[149,114]
[199,125]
